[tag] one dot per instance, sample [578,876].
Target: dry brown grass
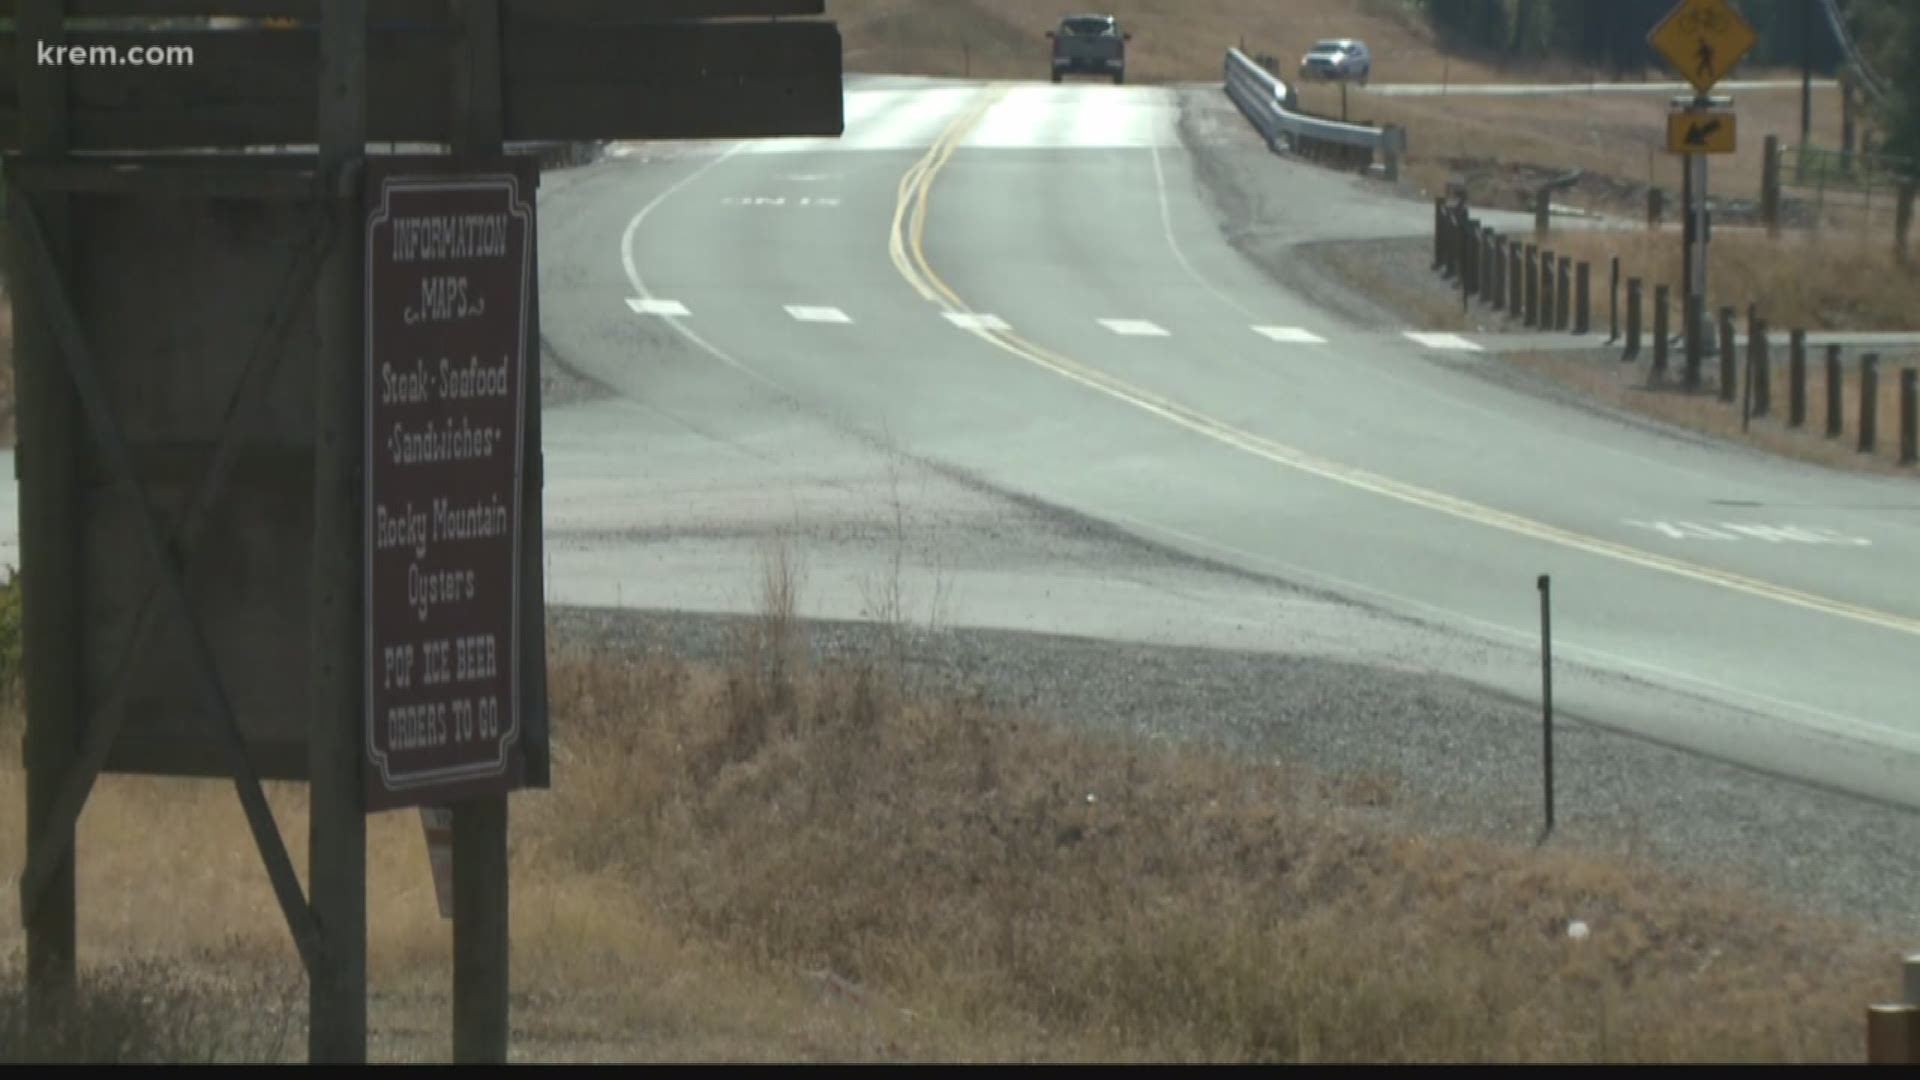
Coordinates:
[1436,306]
[1621,137]
[776,859]
[1820,281]
[1630,386]
[1174,40]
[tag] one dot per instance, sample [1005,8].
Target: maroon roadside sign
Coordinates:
[448,289]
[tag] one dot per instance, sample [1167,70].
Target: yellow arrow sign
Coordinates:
[1700,132]
[1703,40]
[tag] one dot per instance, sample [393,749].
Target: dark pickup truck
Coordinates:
[1090,45]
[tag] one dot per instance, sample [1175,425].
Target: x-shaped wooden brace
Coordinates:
[168,556]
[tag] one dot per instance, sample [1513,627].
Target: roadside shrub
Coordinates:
[144,1011]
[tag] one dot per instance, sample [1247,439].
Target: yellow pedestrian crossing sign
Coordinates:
[1703,40]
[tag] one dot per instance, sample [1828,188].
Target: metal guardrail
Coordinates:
[1269,104]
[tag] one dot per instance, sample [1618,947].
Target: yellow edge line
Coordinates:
[911,260]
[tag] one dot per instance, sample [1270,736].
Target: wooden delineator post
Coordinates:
[1729,362]
[1632,351]
[1693,334]
[1516,279]
[1662,300]
[1869,402]
[1497,272]
[1548,260]
[1909,416]
[1836,409]
[1532,310]
[1563,295]
[1797,378]
[1613,301]
[1583,298]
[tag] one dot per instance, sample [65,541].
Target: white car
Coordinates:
[1338,59]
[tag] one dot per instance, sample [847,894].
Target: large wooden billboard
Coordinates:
[279,452]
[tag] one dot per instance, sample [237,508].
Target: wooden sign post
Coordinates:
[315,369]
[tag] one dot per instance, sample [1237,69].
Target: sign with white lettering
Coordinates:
[449,283]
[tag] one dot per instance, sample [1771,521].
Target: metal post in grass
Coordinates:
[1440,236]
[1633,320]
[1583,298]
[1762,370]
[1797,378]
[1563,295]
[1869,401]
[1546,695]
[1728,372]
[1660,305]
[1909,416]
[1835,409]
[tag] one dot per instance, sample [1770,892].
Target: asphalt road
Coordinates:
[1023,298]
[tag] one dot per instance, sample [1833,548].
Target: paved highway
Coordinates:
[1023,300]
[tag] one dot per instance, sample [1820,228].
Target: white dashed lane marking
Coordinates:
[1133,328]
[1290,335]
[818,314]
[969,321]
[1443,342]
[657,307]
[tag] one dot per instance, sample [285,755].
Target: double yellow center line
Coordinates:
[906,246]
